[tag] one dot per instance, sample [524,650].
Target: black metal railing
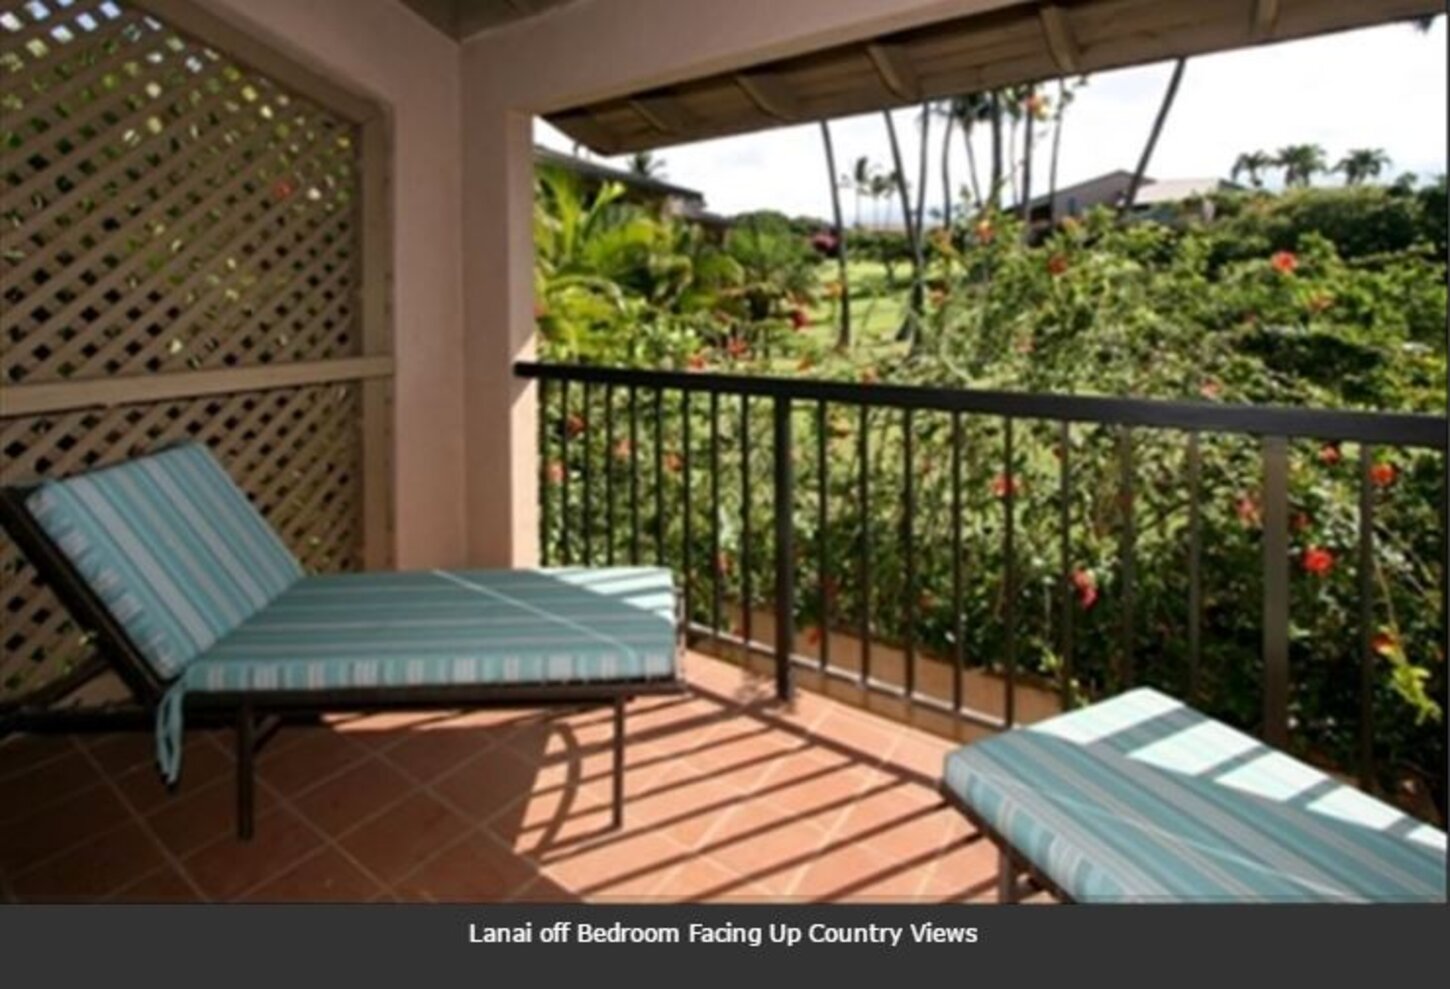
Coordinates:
[1097,444]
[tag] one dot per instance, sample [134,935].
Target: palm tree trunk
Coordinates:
[972,163]
[995,102]
[908,326]
[946,173]
[921,168]
[1027,166]
[843,331]
[1168,97]
[1056,147]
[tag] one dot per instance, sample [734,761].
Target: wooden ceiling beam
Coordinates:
[895,70]
[583,125]
[662,112]
[1060,41]
[770,96]
[1265,19]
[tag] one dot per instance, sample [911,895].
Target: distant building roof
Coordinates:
[1177,190]
[606,173]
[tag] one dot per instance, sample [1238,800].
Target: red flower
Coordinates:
[622,449]
[825,242]
[1211,389]
[674,463]
[737,347]
[1284,262]
[813,635]
[554,472]
[1329,454]
[799,319]
[1087,587]
[1248,510]
[283,189]
[1056,265]
[574,425]
[696,362]
[1383,475]
[1384,643]
[1318,561]
[1005,484]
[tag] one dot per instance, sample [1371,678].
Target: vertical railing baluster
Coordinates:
[959,653]
[609,474]
[1064,508]
[745,532]
[823,548]
[546,498]
[1127,556]
[1009,558]
[1365,574]
[863,481]
[717,584]
[784,548]
[659,442]
[1276,590]
[908,557]
[587,435]
[565,549]
[687,509]
[1195,570]
[633,475]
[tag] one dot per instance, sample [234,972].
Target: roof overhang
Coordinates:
[1023,43]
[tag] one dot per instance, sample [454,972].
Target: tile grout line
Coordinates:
[146,829]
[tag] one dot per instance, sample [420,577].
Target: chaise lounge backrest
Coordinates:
[171,546]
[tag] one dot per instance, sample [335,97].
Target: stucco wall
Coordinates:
[381,49]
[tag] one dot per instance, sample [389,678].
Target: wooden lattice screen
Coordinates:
[189,232]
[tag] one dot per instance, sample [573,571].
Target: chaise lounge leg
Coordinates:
[246,749]
[618,762]
[1006,878]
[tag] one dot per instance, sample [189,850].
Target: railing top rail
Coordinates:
[1394,429]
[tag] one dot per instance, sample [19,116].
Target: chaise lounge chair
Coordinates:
[1140,798]
[200,608]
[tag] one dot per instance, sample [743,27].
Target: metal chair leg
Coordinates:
[1006,879]
[618,762]
[246,750]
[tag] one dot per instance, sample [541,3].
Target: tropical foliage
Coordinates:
[1318,297]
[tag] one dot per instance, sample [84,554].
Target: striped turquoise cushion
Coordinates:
[1141,798]
[171,546]
[429,628]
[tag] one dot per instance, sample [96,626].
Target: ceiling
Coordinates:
[461,18]
[1024,43]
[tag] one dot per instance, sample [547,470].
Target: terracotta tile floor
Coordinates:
[730,797]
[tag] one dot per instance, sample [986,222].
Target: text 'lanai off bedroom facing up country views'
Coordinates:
[917,452]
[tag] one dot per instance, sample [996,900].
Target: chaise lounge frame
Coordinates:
[255,715]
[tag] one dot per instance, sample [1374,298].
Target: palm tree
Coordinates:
[1253,164]
[968,111]
[994,102]
[918,294]
[861,182]
[1064,97]
[843,333]
[1030,106]
[646,165]
[1300,162]
[1359,164]
[1169,95]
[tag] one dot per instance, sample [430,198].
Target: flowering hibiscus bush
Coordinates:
[1141,310]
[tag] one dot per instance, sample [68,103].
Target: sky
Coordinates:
[1383,87]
